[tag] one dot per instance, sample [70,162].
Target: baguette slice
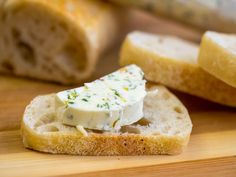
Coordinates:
[173,62]
[55,40]
[165,129]
[217,56]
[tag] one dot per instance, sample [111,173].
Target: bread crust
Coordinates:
[103,145]
[109,143]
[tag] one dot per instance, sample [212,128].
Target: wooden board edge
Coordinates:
[215,167]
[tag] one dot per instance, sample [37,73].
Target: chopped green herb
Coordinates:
[115,122]
[84,99]
[116,92]
[141,73]
[133,87]
[117,103]
[106,105]
[71,102]
[126,88]
[72,95]
[86,87]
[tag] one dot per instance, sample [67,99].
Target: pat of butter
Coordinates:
[108,103]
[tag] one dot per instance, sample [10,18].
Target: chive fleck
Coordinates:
[106,105]
[115,122]
[84,99]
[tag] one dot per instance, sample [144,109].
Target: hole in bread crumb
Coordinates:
[5,40]
[95,131]
[130,129]
[166,96]
[177,132]
[4,17]
[8,65]
[179,117]
[37,21]
[53,28]
[70,77]
[46,119]
[178,110]
[38,123]
[143,122]
[73,55]
[160,40]
[156,133]
[26,52]
[166,129]
[50,128]
[15,33]
[47,68]
[36,38]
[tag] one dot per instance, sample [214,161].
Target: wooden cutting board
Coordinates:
[211,151]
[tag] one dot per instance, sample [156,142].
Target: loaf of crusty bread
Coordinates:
[217,55]
[173,62]
[216,15]
[55,40]
[165,129]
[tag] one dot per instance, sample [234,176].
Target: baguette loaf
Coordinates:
[217,55]
[173,62]
[216,15]
[55,40]
[165,129]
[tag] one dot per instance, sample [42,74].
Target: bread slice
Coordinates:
[217,55]
[165,129]
[173,62]
[55,40]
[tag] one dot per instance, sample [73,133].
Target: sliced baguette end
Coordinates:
[217,56]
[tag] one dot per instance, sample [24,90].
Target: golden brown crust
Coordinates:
[103,144]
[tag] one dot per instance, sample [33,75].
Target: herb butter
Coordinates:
[108,103]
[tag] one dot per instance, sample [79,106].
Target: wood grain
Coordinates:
[204,149]
[211,151]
